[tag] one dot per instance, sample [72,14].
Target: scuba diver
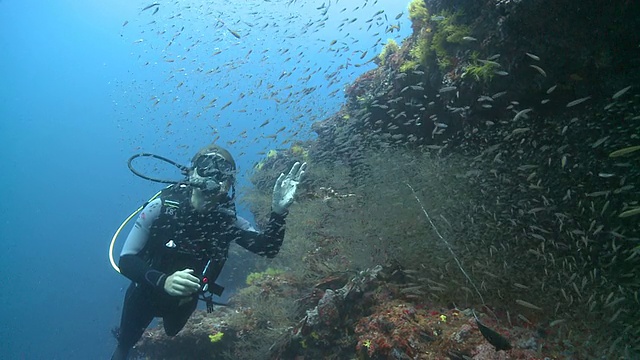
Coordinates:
[180,242]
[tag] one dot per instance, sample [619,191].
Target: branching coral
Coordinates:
[270,155]
[482,72]
[389,49]
[418,13]
[447,32]
[299,152]
[419,53]
[214,338]
[435,38]
[256,277]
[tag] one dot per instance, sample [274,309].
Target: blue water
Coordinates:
[77,99]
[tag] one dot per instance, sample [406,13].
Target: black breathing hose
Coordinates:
[183,169]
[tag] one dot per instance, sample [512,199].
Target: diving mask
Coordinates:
[212,171]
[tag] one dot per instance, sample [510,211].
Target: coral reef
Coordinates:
[369,317]
[204,336]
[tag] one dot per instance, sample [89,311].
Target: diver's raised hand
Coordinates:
[285,188]
[182,283]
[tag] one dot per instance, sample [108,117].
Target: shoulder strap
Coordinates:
[173,197]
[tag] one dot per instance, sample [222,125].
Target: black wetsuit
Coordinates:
[170,235]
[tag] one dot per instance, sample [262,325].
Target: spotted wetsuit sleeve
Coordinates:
[265,243]
[132,265]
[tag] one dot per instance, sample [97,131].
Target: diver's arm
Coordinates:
[269,242]
[265,243]
[132,265]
